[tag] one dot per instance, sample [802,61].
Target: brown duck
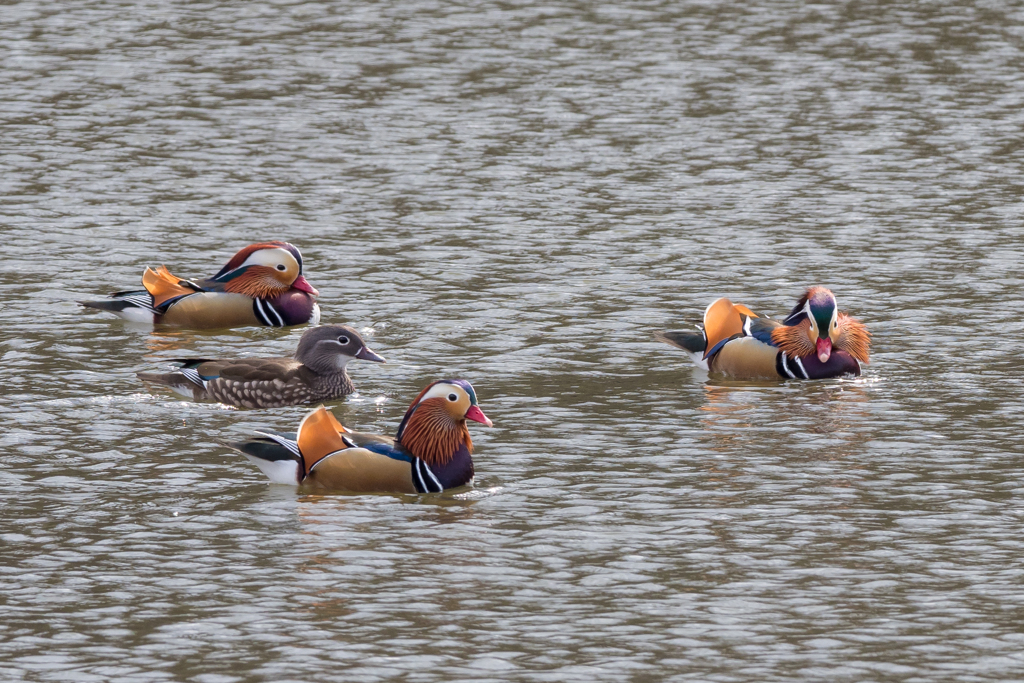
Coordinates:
[316,373]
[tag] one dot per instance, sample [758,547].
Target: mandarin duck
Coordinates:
[815,341]
[316,373]
[431,451]
[261,285]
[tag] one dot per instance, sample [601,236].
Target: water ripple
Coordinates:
[520,195]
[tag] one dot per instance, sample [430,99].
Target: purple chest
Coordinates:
[838,364]
[294,307]
[456,472]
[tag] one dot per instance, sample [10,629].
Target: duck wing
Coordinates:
[246,369]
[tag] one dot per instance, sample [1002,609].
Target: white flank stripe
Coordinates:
[800,366]
[419,476]
[433,478]
[785,366]
[262,314]
[280,320]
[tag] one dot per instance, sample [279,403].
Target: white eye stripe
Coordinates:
[270,257]
[442,391]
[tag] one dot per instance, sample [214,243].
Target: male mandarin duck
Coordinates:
[316,373]
[261,285]
[815,341]
[432,450]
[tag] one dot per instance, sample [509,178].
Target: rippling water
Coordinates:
[521,195]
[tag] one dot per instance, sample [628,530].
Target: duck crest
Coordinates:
[430,433]
[814,297]
[238,259]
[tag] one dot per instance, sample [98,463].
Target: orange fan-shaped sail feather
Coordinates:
[163,286]
[743,310]
[319,436]
[722,320]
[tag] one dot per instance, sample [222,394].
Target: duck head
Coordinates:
[329,348]
[434,427]
[265,270]
[817,315]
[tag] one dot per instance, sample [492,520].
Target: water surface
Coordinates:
[520,195]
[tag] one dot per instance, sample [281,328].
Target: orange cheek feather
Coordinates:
[854,338]
[433,435]
[794,340]
[258,282]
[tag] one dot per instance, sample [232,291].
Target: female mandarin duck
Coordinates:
[261,285]
[431,452]
[317,373]
[816,341]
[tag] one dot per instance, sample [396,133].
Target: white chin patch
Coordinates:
[279,471]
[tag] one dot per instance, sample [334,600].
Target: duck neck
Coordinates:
[333,384]
[293,306]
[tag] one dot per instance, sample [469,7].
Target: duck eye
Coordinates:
[343,339]
[453,398]
[281,266]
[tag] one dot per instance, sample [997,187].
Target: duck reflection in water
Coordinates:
[830,418]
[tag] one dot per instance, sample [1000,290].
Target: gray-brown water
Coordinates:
[520,195]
